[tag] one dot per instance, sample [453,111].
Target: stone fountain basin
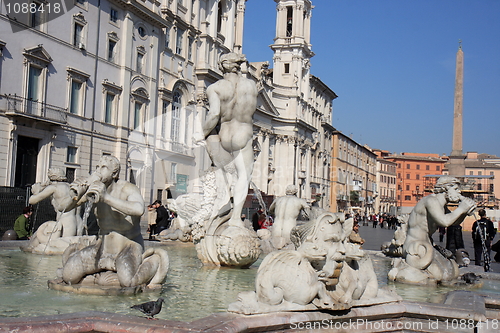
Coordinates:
[197,299]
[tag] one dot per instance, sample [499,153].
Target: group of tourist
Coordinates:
[383,220]
[159,218]
[260,220]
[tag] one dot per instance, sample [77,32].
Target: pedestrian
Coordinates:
[162,217]
[255,219]
[442,232]
[483,232]
[354,237]
[22,224]
[151,220]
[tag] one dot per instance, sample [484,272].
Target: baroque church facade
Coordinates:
[128,78]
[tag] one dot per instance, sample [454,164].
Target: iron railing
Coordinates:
[15,104]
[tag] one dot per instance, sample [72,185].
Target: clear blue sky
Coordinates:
[392,64]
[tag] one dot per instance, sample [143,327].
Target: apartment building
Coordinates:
[353,176]
[385,201]
[411,172]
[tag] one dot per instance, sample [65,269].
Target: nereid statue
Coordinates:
[420,262]
[324,272]
[117,258]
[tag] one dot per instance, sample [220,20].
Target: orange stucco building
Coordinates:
[411,169]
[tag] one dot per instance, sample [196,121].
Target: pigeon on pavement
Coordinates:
[151,308]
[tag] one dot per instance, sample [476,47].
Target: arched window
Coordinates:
[176,116]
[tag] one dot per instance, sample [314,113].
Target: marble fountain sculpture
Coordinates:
[419,261]
[53,237]
[324,271]
[115,263]
[214,218]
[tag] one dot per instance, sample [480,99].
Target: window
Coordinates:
[70,174]
[287,68]
[418,166]
[407,176]
[479,173]
[140,61]
[71,154]
[108,108]
[77,87]
[141,31]
[111,50]
[36,59]
[34,82]
[176,117]
[178,45]
[167,37]
[427,167]
[111,94]
[133,176]
[438,168]
[75,97]
[408,166]
[190,48]
[137,114]
[418,176]
[164,110]
[289,21]
[113,15]
[219,17]
[407,197]
[78,35]
[407,187]
[35,14]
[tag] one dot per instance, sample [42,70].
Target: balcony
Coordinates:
[18,106]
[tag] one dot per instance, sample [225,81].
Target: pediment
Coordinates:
[265,105]
[38,55]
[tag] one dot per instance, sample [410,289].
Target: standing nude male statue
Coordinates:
[228,129]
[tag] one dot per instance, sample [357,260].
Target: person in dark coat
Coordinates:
[162,217]
[482,229]
[255,219]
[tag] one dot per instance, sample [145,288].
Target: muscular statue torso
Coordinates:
[237,97]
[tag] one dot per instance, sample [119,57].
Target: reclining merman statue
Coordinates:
[421,263]
[118,257]
[324,272]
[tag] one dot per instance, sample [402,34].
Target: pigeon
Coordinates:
[151,308]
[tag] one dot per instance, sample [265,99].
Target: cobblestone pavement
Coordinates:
[374,237]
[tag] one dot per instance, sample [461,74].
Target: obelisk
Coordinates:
[456,164]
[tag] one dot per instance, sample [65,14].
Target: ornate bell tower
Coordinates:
[292,44]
